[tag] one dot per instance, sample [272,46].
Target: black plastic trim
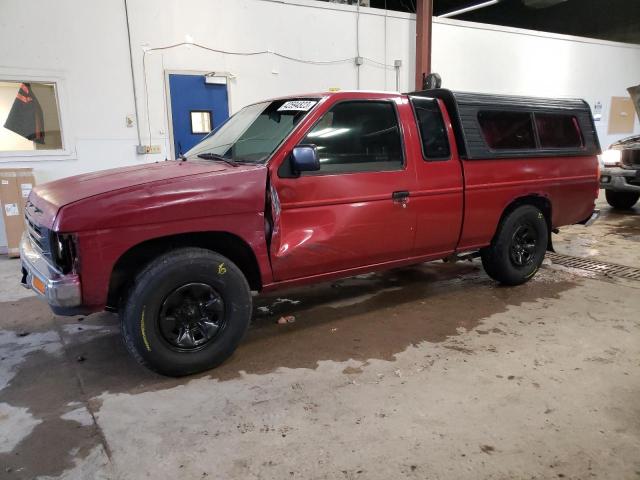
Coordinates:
[425,157]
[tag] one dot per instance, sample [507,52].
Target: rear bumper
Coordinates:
[619,179]
[62,292]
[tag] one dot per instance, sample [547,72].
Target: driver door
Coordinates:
[356,210]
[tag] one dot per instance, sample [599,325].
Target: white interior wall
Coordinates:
[84,45]
[521,62]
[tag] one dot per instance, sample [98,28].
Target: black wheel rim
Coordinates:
[524,244]
[191,316]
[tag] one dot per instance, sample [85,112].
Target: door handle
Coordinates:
[400,195]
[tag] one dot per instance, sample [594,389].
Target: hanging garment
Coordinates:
[26,118]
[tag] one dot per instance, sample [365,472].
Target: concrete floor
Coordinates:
[425,372]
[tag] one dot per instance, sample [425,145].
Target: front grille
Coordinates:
[38,234]
[633,181]
[35,233]
[630,158]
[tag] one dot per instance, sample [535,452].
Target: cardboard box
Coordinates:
[15,186]
[622,115]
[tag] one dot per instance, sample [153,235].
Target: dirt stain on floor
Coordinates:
[27,314]
[629,228]
[429,303]
[46,385]
[369,317]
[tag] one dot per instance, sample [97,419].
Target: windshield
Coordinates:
[252,134]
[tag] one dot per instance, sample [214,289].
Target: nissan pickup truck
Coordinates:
[307,189]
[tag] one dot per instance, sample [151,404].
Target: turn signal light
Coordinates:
[38,285]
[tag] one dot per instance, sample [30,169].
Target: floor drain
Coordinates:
[603,268]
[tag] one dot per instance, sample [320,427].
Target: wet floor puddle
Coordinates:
[369,317]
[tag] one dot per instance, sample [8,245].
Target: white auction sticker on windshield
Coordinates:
[297,105]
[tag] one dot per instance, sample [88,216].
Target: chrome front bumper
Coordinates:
[617,179]
[39,275]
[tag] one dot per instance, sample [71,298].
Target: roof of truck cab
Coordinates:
[338,94]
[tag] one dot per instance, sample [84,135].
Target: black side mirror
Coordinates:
[304,158]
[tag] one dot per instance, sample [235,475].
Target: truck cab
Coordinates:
[302,189]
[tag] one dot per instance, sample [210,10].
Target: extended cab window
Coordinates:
[558,131]
[433,134]
[507,130]
[358,136]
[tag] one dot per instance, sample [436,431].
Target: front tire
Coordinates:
[621,200]
[186,312]
[518,249]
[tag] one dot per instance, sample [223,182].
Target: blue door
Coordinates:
[196,109]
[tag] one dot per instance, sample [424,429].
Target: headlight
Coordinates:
[611,158]
[64,251]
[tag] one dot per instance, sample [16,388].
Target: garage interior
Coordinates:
[430,371]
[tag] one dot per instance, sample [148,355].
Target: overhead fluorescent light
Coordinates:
[334,132]
[469,9]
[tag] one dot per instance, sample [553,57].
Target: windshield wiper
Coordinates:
[215,156]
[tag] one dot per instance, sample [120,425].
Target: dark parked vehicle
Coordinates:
[304,189]
[620,176]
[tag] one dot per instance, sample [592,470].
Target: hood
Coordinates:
[632,142]
[628,143]
[145,194]
[634,93]
[79,187]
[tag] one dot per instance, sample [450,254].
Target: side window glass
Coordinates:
[357,136]
[558,131]
[507,130]
[433,134]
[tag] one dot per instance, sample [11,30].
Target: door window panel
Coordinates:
[507,130]
[433,134]
[200,121]
[357,136]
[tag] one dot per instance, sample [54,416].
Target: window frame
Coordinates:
[446,128]
[64,153]
[320,173]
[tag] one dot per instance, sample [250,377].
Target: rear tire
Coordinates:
[621,200]
[186,312]
[518,248]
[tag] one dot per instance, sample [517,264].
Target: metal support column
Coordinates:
[424,14]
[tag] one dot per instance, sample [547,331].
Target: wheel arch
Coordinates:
[135,258]
[539,201]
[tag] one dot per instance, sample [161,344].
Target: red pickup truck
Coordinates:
[306,189]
